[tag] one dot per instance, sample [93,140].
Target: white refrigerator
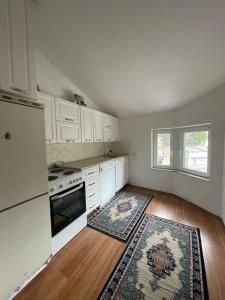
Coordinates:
[25,226]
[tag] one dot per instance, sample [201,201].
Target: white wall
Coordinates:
[135,139]
[51,81]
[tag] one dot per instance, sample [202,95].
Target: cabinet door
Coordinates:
[120,173]
[116,129]
[17,59]
[126,177]
[98,126]
[107,181]
[107,121]
[108,134]
[67,111]
[87,124]
[50,123]
[68,132]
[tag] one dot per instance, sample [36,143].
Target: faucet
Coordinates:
[108,151]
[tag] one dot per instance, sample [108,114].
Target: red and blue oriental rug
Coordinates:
[120,215]
[163,261]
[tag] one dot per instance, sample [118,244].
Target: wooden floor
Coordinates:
[81,268]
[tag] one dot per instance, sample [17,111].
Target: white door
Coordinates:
[25,235]
[17,58]
[98,126]
[68,132]
[23,171]
[50,123]
[87,124]
[120,173]
[67,111]
[107,181]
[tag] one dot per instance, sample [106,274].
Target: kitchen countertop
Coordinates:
[90,162]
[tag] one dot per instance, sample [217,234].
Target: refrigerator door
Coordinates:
[25,235]
[23,166]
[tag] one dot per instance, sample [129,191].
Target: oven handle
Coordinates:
[67,193]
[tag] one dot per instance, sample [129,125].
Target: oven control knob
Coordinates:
[74,180]
[70,182]
[61,186]
[51,189]
[80,178]
[77,179]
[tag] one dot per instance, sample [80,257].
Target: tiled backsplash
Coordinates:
[71,152]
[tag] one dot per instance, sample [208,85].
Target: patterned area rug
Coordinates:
[163,261]
[120,215]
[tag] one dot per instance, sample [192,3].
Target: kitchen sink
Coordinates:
[112,155]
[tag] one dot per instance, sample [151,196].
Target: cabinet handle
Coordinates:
[91,184]
[68,119]
[91,195]
[93,172]
[19,90]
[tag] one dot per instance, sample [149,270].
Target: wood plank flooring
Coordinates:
[81,268]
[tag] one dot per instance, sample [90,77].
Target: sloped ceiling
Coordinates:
[135,57]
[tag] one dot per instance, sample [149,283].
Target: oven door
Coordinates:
[67,206]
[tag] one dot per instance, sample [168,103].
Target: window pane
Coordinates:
[196,151]
[163,149]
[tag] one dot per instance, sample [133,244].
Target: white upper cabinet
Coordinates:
[87,124]
[17,70]
[116,128]
[67,122]
[50,124]
[67,111]
[98,126]
[110,128]
[108,134]
[107,121]
[68,132]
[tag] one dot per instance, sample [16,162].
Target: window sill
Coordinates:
[184,173]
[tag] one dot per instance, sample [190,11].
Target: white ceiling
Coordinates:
[134,57]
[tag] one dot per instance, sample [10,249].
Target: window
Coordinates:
[162,148]
[185,149]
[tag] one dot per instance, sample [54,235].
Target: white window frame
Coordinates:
[181,151]
[177,149]
[155,132]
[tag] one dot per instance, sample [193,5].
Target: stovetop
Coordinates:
[60,179]
[56,173]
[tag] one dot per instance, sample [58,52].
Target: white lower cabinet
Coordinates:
[104,180]
[68,132]
[107,181]
[121,172]
[91,177]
